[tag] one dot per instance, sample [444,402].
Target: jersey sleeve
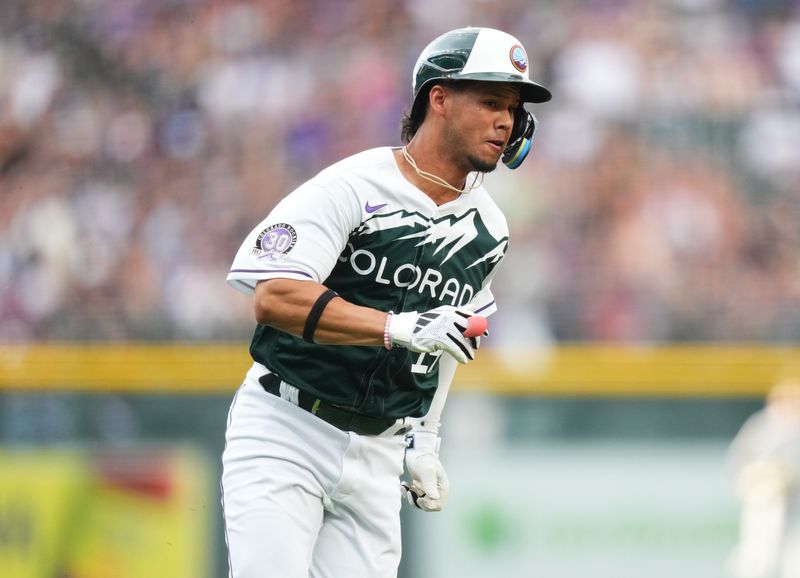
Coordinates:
[301,238]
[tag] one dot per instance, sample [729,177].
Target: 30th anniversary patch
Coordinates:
[275,242]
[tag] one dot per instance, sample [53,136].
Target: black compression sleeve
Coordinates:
[315,313]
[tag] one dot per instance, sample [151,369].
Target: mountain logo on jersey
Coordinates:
[421,260]
[453,233]
[275,242]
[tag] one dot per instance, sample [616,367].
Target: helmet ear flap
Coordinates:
[520,123]
[519,145]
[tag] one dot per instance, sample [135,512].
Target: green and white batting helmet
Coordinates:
[486,55]
[483,54]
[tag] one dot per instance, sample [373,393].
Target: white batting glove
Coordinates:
[440,329]
[429,485]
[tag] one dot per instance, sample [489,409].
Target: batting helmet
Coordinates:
[486,55]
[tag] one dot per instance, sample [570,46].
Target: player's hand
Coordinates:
[429,486]
[440,329]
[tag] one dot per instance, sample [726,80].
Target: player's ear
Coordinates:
[437,98]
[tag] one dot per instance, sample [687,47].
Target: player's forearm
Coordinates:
[285,304]
[432,420]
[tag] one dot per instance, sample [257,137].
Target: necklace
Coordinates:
[439,180]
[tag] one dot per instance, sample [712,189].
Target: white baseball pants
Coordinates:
[303,499]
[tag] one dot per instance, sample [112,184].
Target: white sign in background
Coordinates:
[588,510]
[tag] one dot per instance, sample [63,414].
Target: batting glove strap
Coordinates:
[422,442]
[401,327]
[440,329]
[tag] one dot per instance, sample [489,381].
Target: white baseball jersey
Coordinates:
[360,228]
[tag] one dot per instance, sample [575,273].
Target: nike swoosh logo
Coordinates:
[372,208]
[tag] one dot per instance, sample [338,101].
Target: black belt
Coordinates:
[338,417]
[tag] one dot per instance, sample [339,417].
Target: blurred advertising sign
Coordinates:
[104,515]
[599,510]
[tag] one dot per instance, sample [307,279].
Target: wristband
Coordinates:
[387,338]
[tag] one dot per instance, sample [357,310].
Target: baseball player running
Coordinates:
[362,281]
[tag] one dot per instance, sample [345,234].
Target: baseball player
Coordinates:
[362,280]
[765,462]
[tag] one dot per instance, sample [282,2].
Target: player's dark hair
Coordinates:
[410,123]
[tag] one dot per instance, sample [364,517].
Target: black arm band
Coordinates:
[316,312]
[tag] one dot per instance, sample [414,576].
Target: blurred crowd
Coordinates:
[140,140]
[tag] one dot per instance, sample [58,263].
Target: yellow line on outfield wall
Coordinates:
[593,370]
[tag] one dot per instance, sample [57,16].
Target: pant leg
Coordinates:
[277,464]
[360,536]
[271,523]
